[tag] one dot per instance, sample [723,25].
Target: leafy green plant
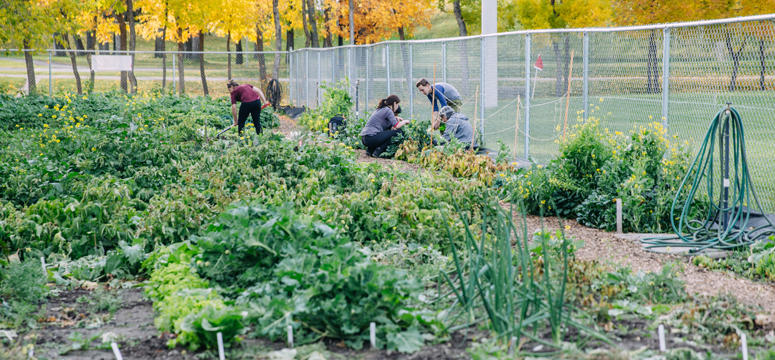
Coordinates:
[22,289]
[336,101]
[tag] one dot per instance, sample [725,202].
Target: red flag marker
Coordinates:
[539,65]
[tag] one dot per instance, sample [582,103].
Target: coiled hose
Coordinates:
[724,224]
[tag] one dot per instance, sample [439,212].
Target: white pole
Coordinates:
[43,264]
[619,217]
[221,355]
[373,335]
[744,344]
[116,351]
[661,331]
[290,335]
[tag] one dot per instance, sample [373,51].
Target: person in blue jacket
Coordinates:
[440,95]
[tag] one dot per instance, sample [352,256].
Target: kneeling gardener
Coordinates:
[457,126]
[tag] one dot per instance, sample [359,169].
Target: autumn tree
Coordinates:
[377,20]
[557,14]
[26,25]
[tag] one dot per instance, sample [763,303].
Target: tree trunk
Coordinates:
[59,46]
[228,55]
[158,45]
[461,24]
[278,37]
[735,60]
[73,63]
[164,48]
[313,24]
[90,43]
[79,45]
[122,46]
[164,57]
[202,63]
[261,59]
[132,42]
[289,40]
[32,88]
[304,14]
[239,59]
[762,66]
[181,83]
[651,59]
[327,41]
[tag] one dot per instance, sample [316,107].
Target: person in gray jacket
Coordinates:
[457,126]
[382,126]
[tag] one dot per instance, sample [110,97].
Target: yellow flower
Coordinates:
[567,227]
[93,148]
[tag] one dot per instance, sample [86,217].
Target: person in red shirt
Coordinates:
[250,98]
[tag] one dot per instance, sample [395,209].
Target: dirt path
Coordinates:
[605,248]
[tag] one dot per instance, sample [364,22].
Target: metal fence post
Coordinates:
[585,89]
[411,79]
[368,77]
[174,60]
[350,72]
[665,74]
[50,87]
[481,87]
[387,66]
[291,78]
[527,96]
[444,61]
[306,77]
[317,91]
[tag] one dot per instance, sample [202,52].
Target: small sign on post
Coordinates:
[111,63]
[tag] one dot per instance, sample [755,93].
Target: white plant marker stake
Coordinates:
[661,331]
[31,353]
[290,335]
[43,264]
[219,337]
[512,345]
[373,334]
[744,345]
[618,215]
[116,351]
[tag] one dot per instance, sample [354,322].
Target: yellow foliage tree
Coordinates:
[377,20]
[26,24]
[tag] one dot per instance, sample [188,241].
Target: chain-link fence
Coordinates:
[678,74]
[152,70]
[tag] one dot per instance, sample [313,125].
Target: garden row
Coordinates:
[249,235]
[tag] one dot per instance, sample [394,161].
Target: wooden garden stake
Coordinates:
[221,355]
[661,332]
[373,334]
[618,215]
[116,351]
[516,128]
[567,96]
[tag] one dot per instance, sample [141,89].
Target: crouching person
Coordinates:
[457,126]
[382,126]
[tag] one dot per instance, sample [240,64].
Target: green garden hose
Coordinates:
[721,219]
